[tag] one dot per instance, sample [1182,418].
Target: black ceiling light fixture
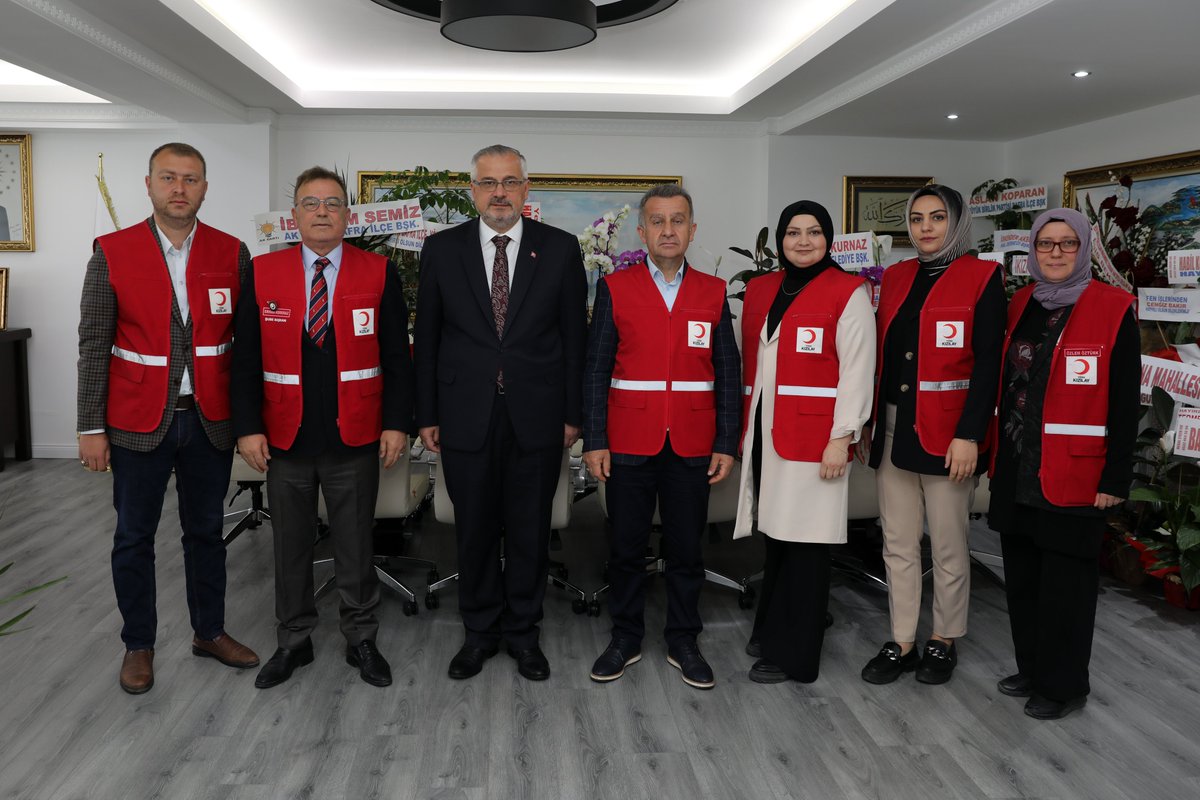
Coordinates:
[526,26]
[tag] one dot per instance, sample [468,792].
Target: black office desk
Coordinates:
[14,394]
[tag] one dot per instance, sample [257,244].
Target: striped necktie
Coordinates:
[318,304]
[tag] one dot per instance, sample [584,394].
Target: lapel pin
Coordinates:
[533,254]
[273,305]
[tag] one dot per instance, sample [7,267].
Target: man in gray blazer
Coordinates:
[155,330]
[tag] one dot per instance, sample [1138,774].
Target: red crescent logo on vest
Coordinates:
[364,318]
[809,335]
[952,328]
[697,330]
[222,297]
[1082,366]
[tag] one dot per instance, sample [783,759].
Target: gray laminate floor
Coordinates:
[204,731]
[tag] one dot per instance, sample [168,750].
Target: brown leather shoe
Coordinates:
[137,671]
[225,649]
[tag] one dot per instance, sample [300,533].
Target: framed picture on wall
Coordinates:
[570,202]
[16,193]
[877,204]
[3,298]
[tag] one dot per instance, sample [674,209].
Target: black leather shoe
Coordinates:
[469,661]
[890,664]
[372,666]
[282,664]
[1015,685]
[1040,707]
[754,648]
[685,657]
[531,663]
[764,671]
[612,662]
[937,663]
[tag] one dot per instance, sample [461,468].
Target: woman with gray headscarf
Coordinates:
[940,330]
[1065,431]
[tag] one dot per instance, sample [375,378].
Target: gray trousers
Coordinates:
[350,484]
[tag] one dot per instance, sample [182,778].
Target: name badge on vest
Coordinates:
[218,302]
[271,312]
[1081,366]
[700,334]
[364,321]
[950,334]
[808,340]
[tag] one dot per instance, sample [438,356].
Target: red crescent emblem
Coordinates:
[698,330]
[222,297]
[366,318]
[810,336]
[1084,366]
[952,328]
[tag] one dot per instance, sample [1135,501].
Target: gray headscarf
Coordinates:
[958,230]
[1065,292]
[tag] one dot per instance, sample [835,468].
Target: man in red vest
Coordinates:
[155,324]
[323,390]
[662,412]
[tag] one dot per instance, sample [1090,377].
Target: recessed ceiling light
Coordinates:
[1082,73]
[952,116]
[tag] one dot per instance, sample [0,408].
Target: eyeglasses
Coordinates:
[311,203]
[509,184]
[1047,246]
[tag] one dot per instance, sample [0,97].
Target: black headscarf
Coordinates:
[796,278]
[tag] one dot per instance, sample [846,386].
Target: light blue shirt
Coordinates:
[330,272]
[177,259]
[668,289]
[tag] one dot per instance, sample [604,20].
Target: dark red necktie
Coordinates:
[318,304]
[500,282]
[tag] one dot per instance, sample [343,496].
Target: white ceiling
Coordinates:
[852,67]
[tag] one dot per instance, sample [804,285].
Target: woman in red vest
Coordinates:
[808,342]
[940,332]
[1065,430]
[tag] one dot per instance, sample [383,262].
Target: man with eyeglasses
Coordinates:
[499,348]
[155,320]
[322,393]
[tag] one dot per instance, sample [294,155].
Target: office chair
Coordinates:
[247,479]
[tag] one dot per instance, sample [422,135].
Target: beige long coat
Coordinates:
[795,504]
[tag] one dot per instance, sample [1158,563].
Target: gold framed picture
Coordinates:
[877,203]
[16,193]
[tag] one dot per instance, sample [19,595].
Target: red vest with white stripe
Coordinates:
[806,363]
[663,376]
[140,365]
[1075,408]
[280,291]
[945,354]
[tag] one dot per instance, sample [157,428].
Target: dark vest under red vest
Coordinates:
[1075,408]
[806,363]
[281,293]
[663,378]
[946,353]
[139,368]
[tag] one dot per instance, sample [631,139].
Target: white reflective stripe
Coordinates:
[943,386]
[215,350]
[692,386]
[747,390]
[279,377]
[361,374]
[638,386]
[138,358]
[807,391]
[1075,430]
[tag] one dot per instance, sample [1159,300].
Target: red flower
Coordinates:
[1108,202]
[1125,181]
[1124,218]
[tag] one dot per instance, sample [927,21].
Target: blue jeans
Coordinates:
[139,486]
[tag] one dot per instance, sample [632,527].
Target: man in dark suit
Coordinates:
[499,341]
[155,321]
[322,389]
[662,412]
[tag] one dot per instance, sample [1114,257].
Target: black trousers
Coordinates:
[502,493]
[681,493]
[1052,576]
[790,620]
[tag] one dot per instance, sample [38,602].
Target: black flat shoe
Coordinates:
[282,664]
[1040,707]
[469,661]
[616,657]
[764,671]
[531,663]
[372,666]
[1015,685]
[937,662]
[889,664]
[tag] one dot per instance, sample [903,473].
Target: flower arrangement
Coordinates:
[598,242]
[1127,235]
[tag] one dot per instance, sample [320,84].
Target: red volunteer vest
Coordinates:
[140,365]
[1075,409]
[806,364]
[663,377]
[945,354]
[281,295]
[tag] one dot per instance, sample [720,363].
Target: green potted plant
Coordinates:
[762,258]
[7,627]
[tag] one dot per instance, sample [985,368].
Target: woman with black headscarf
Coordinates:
[1067,422]
[808,342]
[941,328]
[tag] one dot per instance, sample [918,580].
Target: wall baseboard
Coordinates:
[56,451]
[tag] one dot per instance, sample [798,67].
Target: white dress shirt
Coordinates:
[330,272]
[177,260]
[489,249]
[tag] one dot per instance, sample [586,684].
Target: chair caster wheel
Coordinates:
[746,600]
[433,576]
[410,607]
[593,608]
[432,601]
[579,606]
